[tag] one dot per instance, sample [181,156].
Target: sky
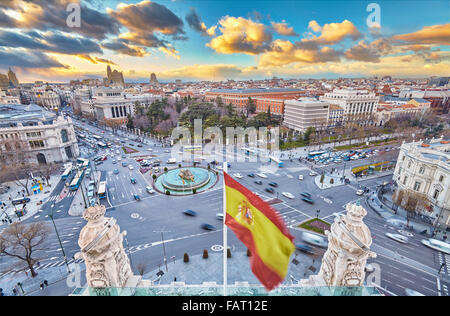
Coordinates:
[223,39]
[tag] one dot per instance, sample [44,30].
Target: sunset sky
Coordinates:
[223,39]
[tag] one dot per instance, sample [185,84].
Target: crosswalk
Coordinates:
[52,264]
[58,196]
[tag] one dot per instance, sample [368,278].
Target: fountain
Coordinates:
[182,181]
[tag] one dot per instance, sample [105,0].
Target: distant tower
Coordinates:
[153,79]
[108,72]
[12,78]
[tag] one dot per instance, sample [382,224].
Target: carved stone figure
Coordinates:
[186,174]
[348,249]
[101,244]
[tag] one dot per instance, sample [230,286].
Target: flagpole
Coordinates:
[225,235]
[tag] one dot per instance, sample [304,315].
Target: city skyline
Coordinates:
[217,40]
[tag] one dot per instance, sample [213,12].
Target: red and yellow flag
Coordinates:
[262,230]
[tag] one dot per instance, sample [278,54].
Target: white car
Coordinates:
[437,245]
[313,173]
[262,175]
[219,216]
[397,237]
[360,192]
[119,159]
[130,167]
[300,177]
[288,195]
[238,175]
[150,190]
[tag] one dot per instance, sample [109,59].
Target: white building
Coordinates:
[48,138]
[305,112]
[356,103]
[8,99]
[425,168]
[113,103]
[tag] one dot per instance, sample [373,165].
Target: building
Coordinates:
[438,81]
[424,168]
[48,138]
[115,77]
[12,78]
[358,105]
[439,98]
[7,98]
[335,116]
[239,97]
[4,81]
[153,80]
[303,113]
[114,104]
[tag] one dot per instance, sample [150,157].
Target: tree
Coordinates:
[322,177]
[141,268]
[205,254]
[22,241]
[47,171]
[251,106]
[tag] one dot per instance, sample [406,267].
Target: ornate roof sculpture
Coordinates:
[101,244]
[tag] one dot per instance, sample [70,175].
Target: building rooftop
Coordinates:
[255,90]
[12,114]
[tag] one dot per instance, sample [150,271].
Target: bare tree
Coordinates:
[21,241]
[142,268]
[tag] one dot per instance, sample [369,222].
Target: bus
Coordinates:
[83,163]
[102,145]
[192,148]
[248,151]
[277,161]
[102,190]
[76,182]
[66,173]
[313,154]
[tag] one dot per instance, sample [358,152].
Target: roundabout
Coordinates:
[185,181]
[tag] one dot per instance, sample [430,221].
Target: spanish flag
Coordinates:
[262,230]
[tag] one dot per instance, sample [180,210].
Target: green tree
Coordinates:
[251,106]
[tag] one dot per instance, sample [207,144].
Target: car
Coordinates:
[114,162]
[156,170]
[313,173]
[207,226]
[315,240]
[124,164]
[300,177]
[251,175]
[98,163]
[119,159]
[288,195]
[397,237]
[130,167]
[137,197]
[306,194]
[262,175]
[116,171]
[410,292]
[237,175]
[270,190]
[437,245]
[105,158]
[273,184]
[139,145]
[139,159]
[124,156]
[259,182]
[150,190]
[308,200]
[219,216]
[360,192]
[304,248]
[133,181]
[189,212]
[167,151]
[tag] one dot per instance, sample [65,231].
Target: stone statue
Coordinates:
[101,245]
[186,174]
[348,249]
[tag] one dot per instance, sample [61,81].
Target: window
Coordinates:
[436,194]
[422,169]
[441,178]
[404,180]
[64,136]
[417,186]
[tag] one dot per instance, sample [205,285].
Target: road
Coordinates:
[402,266]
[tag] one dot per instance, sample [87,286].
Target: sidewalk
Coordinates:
[199,270]
[55,276]
[33,206]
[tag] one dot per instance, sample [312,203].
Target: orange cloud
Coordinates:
[333,33]
[170,52]
[436,34]
[283,29]
[240,35]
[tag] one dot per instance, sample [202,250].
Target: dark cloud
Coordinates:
[123,47]
[194,21]
[50,42]
[148,17]
[369,52]
[13,58]
[48,15]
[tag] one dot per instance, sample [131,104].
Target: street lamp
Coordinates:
[164,247]
[59,239]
